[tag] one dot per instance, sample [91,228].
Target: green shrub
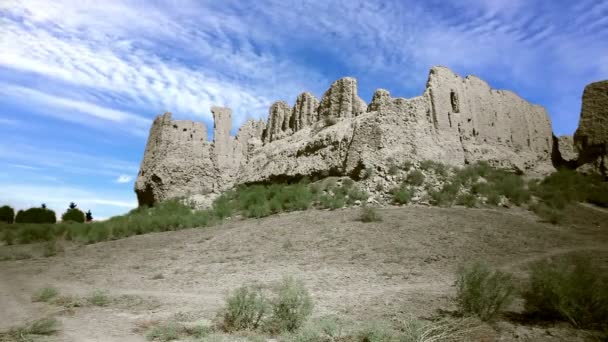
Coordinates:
[402,195]
[99,298]
[446,196]
[415,178]
[354,194]
[222,207]
[468,200]
[28,233]
[291,306]
[369,214]
[599,195]
[482,292]
[40,327]
[245,308]
[45,294]
[571,289]
[547,213]
[74,215]
[393,169]
[513,187]
[407,165]
[164,332]
[375,332]
[333,202]
[7,214]
[437,167]
[36,215]
[566,186]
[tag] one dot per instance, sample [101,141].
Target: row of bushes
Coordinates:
[42,215]
[248,201]
[468,185]
[572,289]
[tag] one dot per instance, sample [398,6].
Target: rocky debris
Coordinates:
[591,137]
[304,112]
[455,121]
[341,100]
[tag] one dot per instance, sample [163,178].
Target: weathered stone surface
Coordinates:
[341,100]
[455,121]
[304,112]
[591,137]
[279,116]
[177,161]
[568,154]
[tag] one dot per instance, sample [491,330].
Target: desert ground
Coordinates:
[359,272]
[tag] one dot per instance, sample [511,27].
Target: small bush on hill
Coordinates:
[402,195]
[45,294]
[547,213]
[369,214]
[7,214]
[437,167]
[73,214]
[245,309]
[40,327]
[99,298]
[376,332]
[36,215]
[446,196]
[482,292]
[415,178]
[571,289]
[291,306]
[468,200]
[566,186]
[599,195]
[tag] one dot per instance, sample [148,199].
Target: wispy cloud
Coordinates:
[124,179]
[40,157]
[69,109]
[26,167]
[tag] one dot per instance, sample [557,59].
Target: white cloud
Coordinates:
[51,158]
[124,179]
[116,49]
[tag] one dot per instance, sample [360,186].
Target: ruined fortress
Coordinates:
[456,121]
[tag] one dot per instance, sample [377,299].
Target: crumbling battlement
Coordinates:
[456,121]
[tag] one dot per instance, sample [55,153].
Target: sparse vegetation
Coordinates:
[572,289]
[170,331]
[369,214]
[483,292]
[438,168]
[415,178]
[245,309]
[26,333]
[98,298]
[290,307]
[45,294]
[402,195]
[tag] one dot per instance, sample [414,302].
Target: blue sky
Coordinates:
[81,80]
